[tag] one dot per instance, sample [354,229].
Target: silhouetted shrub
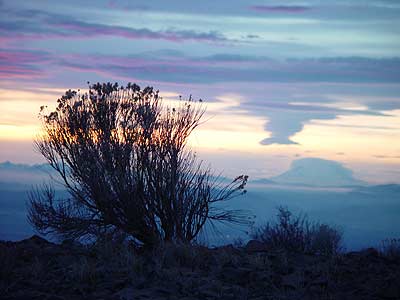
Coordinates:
[122,157]
[298,234]
[325,240]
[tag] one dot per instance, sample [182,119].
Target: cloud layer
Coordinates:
[289,63]
[285,113]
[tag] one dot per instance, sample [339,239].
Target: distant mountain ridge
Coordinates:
[22,175]
[7,165]
[306,172]
[391,188]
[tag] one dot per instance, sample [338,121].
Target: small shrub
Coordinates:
[390,248]
[325,240]
[296,233]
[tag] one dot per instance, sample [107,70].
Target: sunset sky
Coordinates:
[281,79]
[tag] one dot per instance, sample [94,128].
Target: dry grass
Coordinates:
[8,261]
[390,248]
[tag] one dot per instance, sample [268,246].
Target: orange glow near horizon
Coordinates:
[356,137]
[351,139]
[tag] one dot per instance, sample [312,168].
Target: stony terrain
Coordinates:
[37,269]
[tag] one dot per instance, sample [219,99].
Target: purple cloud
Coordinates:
[218,68]
[22,64]
[233,68]
[35,24]
[280,8]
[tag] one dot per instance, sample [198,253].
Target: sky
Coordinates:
[281,80]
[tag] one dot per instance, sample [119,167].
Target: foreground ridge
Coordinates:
[38,269]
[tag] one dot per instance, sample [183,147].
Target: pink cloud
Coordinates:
[22,64]
[17,72]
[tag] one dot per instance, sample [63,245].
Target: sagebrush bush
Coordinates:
[296,233]
[123,159]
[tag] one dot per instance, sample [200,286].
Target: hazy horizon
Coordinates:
[366,214]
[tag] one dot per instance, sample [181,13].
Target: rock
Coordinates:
[392,291]
[236,275]
[365,253]
[254,246]
[292,281]
[35,240]
[55,297]
[321,282]
[228,249]
[209,294]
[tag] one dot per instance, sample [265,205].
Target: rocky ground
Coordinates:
[37,269]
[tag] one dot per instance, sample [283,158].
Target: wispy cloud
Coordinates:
[36,24]
[234,68]
[280,8]
[80,28]
[176,67]
[113,4]
[386,156]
